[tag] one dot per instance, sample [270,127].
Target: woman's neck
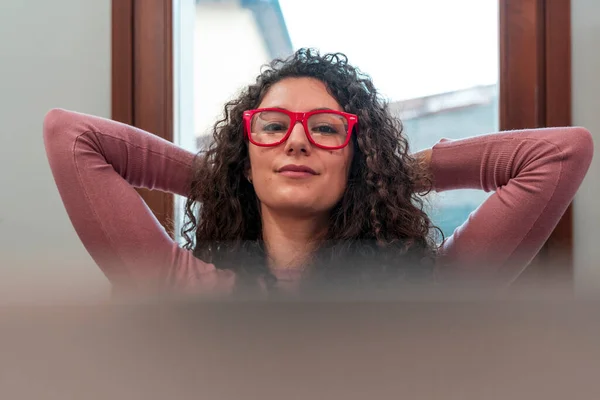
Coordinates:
[290,240]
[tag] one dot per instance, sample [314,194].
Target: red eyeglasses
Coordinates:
[327,129]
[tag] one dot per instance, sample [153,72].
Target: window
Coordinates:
[155,46]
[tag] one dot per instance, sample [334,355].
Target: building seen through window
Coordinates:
[438,85]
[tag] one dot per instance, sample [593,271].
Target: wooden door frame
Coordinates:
[142,79]
[535,85]
[535,91]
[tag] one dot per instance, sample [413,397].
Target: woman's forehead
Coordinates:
[299,94]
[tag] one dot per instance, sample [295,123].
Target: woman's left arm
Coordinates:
[534,174]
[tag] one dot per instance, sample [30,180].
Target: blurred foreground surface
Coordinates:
[462,349]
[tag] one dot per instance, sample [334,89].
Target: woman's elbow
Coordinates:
[55,121]
[581,146]
[61,128]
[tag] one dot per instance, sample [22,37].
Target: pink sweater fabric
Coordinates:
[97,163]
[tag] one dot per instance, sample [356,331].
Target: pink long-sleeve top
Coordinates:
[97,164]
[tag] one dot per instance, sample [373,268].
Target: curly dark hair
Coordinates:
[378,230]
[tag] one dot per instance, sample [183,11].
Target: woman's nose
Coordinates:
[297,141]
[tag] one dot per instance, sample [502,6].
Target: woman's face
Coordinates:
[299,194]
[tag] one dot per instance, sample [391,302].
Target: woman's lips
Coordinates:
[296,171]
[296,174]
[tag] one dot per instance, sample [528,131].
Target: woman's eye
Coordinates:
[274,127]
[326,129]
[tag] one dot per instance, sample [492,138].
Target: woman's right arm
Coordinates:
[96,164]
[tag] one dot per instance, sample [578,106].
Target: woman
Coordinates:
[308,179]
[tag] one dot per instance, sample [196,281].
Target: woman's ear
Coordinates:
[248,168]
[248,172]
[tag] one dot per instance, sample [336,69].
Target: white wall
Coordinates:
[52,54]
[223,66]
[586,112]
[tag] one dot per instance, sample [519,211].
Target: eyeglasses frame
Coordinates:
[301,117]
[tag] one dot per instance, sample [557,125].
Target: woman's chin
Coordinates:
[292,194]
[294,205]
[297,200]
